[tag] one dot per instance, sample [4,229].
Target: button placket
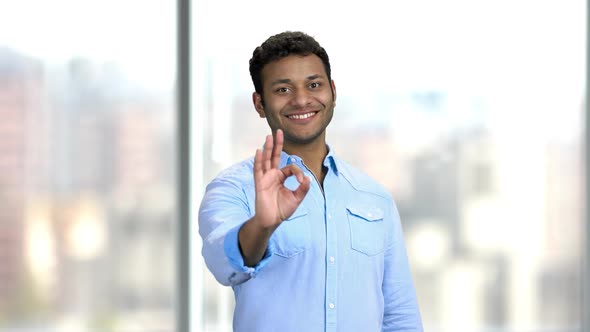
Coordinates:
[332,270]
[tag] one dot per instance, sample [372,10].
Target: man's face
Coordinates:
[298,98]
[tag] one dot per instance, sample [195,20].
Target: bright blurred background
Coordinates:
[470,112]
[87,165]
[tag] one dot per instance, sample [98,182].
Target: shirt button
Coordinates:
[332,259]
[329,216]
[369,214]
[293,160]
[331,305]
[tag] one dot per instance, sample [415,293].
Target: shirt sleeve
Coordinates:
[401,312]
[224,209]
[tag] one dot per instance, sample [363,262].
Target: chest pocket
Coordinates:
[367,229]
[293,236]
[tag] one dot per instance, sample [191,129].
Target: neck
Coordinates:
[313,155]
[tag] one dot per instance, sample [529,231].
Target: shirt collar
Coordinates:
[329,161]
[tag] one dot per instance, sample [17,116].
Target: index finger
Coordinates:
[277,149]
[293,169]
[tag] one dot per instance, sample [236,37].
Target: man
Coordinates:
[307,242]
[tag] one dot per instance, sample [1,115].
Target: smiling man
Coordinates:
[307,242]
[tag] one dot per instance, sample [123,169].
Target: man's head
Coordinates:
[294,90]
[282,45]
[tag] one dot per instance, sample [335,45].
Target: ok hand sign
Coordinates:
[275,202]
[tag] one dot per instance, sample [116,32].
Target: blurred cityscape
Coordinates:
[470,113]
[492,213]
[87,199]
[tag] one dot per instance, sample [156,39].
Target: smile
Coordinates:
[301,116]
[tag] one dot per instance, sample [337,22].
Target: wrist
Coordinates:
[262,226]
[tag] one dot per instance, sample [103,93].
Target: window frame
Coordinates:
[183,179]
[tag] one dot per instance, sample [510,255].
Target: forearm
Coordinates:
[253,241]
[223,256]
[224,209]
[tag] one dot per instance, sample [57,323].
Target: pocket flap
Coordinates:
[367,213]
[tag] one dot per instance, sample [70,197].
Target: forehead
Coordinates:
[294,68]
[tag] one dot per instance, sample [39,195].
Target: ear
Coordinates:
[334,90]
[257,100]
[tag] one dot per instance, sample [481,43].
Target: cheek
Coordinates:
[327,97]
[273,109]
[328,101]
[271,114]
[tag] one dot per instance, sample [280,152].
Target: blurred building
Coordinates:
[22,149]
[120,182]
[86,196]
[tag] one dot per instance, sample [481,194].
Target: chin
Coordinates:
[300,140]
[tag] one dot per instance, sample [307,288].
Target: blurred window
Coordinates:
[87,166]
[469,112]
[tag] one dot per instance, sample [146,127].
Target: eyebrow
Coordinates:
[287,80]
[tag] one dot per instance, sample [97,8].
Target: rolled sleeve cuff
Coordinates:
[234,255]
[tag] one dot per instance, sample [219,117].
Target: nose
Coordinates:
[301,98]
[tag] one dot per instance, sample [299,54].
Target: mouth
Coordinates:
[301,116]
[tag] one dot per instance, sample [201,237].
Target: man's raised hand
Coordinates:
[274,201]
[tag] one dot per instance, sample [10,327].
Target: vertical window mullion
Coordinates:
[184,175]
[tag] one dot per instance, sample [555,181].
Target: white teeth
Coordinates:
[301,116]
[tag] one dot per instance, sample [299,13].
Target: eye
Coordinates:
[315,85]
[282,90]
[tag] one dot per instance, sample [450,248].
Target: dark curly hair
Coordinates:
[282,45]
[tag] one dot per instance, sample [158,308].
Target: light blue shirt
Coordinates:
[338,263]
